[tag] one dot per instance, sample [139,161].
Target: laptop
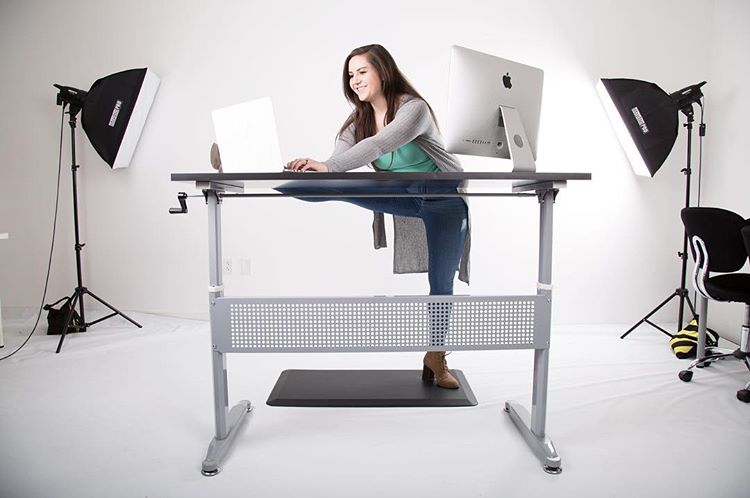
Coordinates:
[247,139]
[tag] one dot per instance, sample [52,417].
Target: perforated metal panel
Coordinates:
[400,323]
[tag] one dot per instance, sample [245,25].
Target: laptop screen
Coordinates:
[247,139]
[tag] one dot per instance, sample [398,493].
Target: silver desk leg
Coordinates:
[225,430]
[532,426]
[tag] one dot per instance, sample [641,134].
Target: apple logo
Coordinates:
[506,81]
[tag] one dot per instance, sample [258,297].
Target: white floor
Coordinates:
[126,412]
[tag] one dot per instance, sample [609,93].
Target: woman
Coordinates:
[393,128]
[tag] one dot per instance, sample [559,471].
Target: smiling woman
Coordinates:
[392,128]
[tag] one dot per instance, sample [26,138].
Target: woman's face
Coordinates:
[364,79]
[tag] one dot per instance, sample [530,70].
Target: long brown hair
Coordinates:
[394,85]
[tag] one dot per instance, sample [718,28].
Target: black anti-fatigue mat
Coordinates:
[352,388]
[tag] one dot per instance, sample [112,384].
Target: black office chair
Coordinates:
[720,242]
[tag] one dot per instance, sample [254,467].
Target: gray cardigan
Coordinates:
[412,122]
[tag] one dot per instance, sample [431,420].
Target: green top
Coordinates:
[408,158]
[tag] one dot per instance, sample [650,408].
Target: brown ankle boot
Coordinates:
[435,367]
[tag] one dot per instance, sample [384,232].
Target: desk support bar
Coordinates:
[533,428]
[225,431]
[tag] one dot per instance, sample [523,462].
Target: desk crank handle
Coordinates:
[181,198]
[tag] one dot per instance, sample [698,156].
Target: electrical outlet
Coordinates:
[245,267]
[227,265]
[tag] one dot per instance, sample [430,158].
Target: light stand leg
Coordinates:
[645,319]
[532,427]
[116,311]
[73,299]
[226,425]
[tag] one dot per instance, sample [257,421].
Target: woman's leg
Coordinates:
[401,206]
[446,223]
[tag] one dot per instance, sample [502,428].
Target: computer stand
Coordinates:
[80,291]
[518,143]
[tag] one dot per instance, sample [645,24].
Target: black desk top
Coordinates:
[469,181]
[285,176]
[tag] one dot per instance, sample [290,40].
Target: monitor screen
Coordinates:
[479,87]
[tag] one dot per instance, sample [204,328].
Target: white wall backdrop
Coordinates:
[616,237]
[726,172]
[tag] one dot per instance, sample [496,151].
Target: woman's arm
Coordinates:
[412,119]
[344,141]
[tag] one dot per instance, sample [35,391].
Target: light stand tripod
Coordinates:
[74,99]
[680,292]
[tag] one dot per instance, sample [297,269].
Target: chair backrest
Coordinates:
[720,231]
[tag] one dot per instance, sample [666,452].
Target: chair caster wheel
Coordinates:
[686,376]
[744,395]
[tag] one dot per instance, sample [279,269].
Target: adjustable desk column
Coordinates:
[533,427]
[226,424]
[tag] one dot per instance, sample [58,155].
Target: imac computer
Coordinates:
[493,108]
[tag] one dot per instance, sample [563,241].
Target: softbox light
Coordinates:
[114,112]
[644,118]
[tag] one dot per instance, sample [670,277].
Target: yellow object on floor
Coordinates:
[685,342]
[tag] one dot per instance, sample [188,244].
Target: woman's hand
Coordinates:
[306,165]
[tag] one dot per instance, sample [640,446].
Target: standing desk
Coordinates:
[382,323]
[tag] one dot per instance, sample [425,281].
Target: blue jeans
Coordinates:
[445,218]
